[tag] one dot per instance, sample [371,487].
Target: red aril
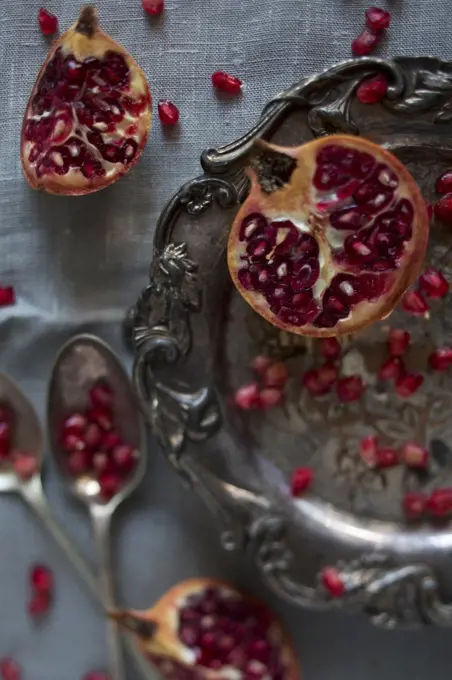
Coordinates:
[415,303]
[350,389]
[313,383]
[247,396]
[25,464]
[386,457]
[41,578]
[153,7]
[89,113]
[414,455]
[441,359]
[100,462]
[408,383]
[275,375]
[93,436]
[433,283]
[110,441]
[79,463]
[271,396]
[443,209]
[101,416]
[7,296]
[168,112]
[302,479]
[39,604]
[330,236]
[73,442]
[10,669]
[5,440]
[372,90]
[444,183]
[110,483]
[392,369]
[398,342]
[260,363]
[377,19]
[331,348]
[332,581]
[414,504]
[101,394]
[48,22]
[75,424]
[226,83]
[439,503]
[368,450]
[124,457]
[365,43]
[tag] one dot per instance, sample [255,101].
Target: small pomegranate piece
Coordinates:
[25,464]
[366,43]
[302,479]
[363,214]
[247,396]
[168,112]
[414,455]
[408,384]
[206,628]
[101,394]
[392,369]
[332,581]
[350,389]
[372,90]
[226,83]
[275,375]
[439,503]
[10,669]
[415,303]
[41,579]
[270,397]
[153,7]
[443,209]
[331,349]
[320,381]
[398,342]
[368,450]
[414,504]
[441,359]
[444,183]
[48,23]
[433,283]
[387,457]
[7,296]
[100,461]
[377,19]
[89,113]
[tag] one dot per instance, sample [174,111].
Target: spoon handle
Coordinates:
[101,520]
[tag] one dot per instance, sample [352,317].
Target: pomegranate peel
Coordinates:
[89,113]
[331,236]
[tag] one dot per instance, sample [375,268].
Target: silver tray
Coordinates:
[193,339]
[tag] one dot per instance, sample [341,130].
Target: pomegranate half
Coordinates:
[206,629]
[89,113]
[330,237]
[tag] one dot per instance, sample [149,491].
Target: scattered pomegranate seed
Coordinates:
[275,375]
[414,504]
[328,374]
[271,396]
[443,209]
[433,283]
[10,670]
[48,22]
[7,296]
[439,503]
[414,455]
[441,359]
[429,207]
[368,450]
[372,90]
[365,43]
[41,578]
[25,464]
[102,416]
[377,19]
[408,384]
[392,369]
[226,83]
[444,183]
[96,675]
[398,341]
[331,348]
[302,479]
[331,580]
[350,389]
[311,380]
[387,457]
[101,394]
[153,7]
[168,112]
[247,396]
[260,364]
[39,604]
[415,303]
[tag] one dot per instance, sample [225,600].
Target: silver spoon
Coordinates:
[83,361]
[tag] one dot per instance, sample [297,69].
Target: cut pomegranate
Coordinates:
[153,7]
[433,283]
[365,43]
[350,389]
[377,19]
[168,112]
[443,209]
[206,628]
[247,396]
[439,503]
[368,450]
[332,582]
[41,579]
[392,369]
[275,375]
[330,237]
[7,296]
[331,348]
[386,457]
[444,183]
[372,90]
[10,669]
[226,83]
[414,504]
[398,342]
[415,303]
[408,383]
[48,22]
[441,359]
[414,455]
[302,479]
[89,96]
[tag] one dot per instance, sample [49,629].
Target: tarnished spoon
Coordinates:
[82,362]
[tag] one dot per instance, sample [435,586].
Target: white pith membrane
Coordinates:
[87,118]
[336,247]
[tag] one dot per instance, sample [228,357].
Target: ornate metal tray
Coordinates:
[193,339]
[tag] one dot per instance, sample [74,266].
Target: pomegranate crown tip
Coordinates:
[88,21]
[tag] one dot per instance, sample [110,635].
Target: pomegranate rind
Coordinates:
[83,46]
[293,200]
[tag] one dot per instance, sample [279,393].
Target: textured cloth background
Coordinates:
[78,263]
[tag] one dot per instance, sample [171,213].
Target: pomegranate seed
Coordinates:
[41,578]
[302,479]
[444,183]
[377,19]
[93,436]
[271,396]
[433,283]
[78,463]
[414,504]
[414,455]
[168,112]
[71,442]
[368,449]
[5,440]
[260,364]
[153,7]
[125,457]
[387,457]
[226,83]
[439,503]
[350,389]
[275,375]
[39,604]
[332,581]
[100,461]
[443,209]
[408,384]
[328,374]
[101,394]
[392,369]
[331,348]
[75,424]
[102,416]
[25,464]
[372,90]
[111,440]
[247,396]
[10,670]
[441,359]
[414,303]
[311,380]
[110,483]
[96,675]
[398,341]
[365,43]
[429,207]
[7,296]
[48,22]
